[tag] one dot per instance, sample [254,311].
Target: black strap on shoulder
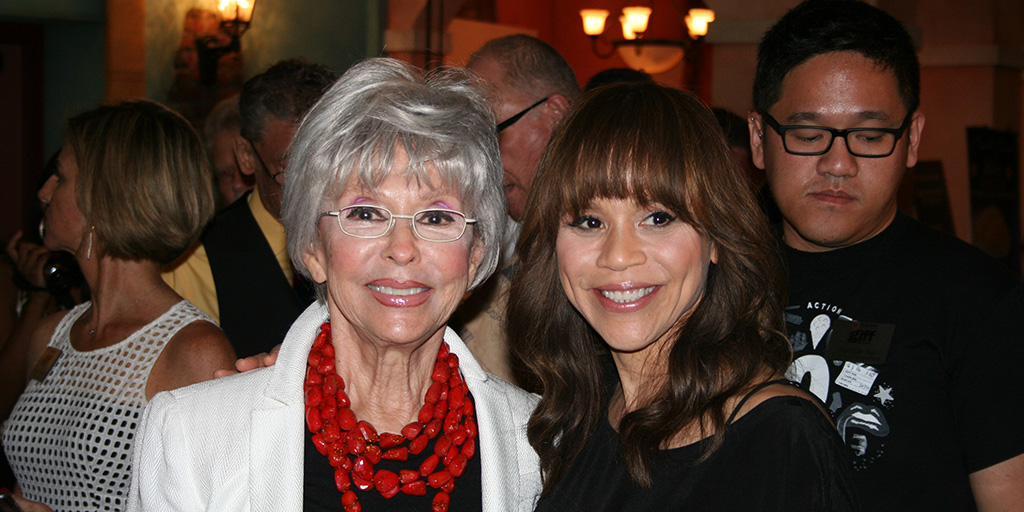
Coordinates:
[757,388]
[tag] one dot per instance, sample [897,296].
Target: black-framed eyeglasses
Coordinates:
[512,120]
[273,175]
[817,140]
[370,221]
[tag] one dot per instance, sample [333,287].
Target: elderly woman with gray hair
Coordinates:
[393,206]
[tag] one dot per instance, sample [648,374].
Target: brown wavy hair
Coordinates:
[650,144]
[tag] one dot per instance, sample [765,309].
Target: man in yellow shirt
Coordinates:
[239,272]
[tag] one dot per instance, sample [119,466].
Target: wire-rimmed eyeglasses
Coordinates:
[817,140]
[273,175]
[370,221]
[512,120]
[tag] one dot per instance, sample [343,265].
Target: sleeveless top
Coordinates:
[69,438]
[782,455]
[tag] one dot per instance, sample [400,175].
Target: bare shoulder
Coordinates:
[774,390]
[191,356]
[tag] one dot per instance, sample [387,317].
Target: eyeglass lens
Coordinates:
[437,225]
[858,142]
[818,140]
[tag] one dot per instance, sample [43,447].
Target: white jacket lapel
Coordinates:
[276,450]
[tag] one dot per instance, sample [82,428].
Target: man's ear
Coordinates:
[243,154]
[557,105]
[756,126]
[914,135]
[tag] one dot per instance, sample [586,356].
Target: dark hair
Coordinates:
[816,27]
[530,65]
[287,90]
[664,147]
[734,128]
[143,179]
[616,76]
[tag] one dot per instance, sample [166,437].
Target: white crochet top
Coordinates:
[69,438]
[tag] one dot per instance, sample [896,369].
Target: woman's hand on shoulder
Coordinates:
[191,356]
[261,360]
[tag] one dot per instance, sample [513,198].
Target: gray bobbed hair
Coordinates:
[439,118]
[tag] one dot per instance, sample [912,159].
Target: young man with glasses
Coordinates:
[240,273]
[913,339]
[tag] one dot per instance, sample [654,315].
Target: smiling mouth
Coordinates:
[387,290]
[627,296]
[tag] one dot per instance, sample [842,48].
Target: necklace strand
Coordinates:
[353,447]
[92,331]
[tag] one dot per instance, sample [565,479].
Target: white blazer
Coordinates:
[235,444]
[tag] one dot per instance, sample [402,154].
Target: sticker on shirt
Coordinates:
[863,342]
[857,377]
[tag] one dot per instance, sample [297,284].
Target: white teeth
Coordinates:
[623,297]
[387,290]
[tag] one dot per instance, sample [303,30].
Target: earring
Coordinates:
[88,252]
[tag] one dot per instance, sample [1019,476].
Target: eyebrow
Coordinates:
[815,117]
[439,201]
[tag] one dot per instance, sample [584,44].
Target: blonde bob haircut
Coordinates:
[144,180]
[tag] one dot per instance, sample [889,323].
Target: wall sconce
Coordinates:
[235,17]
[649,55]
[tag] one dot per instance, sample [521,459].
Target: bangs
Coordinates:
[620,175]
[634,149]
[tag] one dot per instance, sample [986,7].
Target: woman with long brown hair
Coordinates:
[641,242]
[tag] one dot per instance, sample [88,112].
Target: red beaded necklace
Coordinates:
[352,446]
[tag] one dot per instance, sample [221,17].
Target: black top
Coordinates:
[782,455]
[320,493]
[944,400]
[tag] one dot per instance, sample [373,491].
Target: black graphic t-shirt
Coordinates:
[914,340]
